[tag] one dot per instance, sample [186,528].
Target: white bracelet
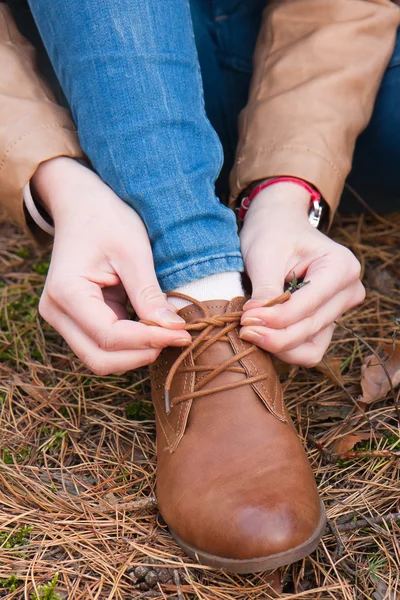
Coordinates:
[33,211]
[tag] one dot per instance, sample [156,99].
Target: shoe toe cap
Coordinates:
[271,529]
[251,531]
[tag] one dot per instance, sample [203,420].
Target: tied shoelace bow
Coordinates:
[206,324]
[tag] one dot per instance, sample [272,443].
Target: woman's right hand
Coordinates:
[101,256]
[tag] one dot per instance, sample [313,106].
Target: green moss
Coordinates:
[23,252]
[55,441]
[36,354]
[393,441]
[41,268]
[9,457]
[386,442]
[47,591]
[23,309]
[64,412]
[14,539]
[10,584]
[139,411]
[376,562]
[67,412]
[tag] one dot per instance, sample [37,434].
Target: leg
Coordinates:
[133,83]
[226,33]
[375,174]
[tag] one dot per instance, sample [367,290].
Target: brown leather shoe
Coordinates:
[234,484]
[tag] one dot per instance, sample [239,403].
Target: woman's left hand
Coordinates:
[277,240]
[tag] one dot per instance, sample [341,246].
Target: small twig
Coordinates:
[327,455]
[368,521]
[133,505]
[344,565]
[148,594]
[369,454]
[339,544]
[177,582]
[333,457]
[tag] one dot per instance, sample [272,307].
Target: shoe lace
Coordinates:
[206,325]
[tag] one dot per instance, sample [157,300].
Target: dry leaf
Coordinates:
[274,580]
[374,382]
[347,442]
[330,367]
[321,414]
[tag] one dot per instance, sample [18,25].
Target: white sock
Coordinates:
[221,286]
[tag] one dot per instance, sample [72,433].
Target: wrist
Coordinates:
[282,197]
[58,185]
[47,179]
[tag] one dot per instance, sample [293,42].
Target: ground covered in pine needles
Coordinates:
[78,517]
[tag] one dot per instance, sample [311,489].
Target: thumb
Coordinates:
[146,296]
[267,284]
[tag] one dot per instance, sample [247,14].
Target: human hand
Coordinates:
[101,256]
[277,240]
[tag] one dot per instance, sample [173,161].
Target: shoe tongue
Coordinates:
[214,307]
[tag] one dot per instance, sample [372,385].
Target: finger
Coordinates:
[87,309]
[144,291]
[98,360]
[310,353]
[324,283]
[288,338]
[265,288]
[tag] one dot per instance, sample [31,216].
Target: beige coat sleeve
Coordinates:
[318,66]
[33,127]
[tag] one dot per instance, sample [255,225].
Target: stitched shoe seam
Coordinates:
[161,424]
[269,397]
[186,314]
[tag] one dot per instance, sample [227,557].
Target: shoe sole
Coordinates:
[256,565]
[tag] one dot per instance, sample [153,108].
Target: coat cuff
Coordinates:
[292,161]
[21,161]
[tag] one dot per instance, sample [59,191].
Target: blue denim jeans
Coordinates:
[155,88]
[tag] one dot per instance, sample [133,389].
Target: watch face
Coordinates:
[315,214]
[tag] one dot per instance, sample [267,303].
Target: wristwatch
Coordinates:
[317,204]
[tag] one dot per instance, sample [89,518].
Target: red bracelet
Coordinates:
[315,196]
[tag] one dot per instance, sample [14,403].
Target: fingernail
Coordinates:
[169,316]
[251,336]
[256,302]
[252,321]
[181,342]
